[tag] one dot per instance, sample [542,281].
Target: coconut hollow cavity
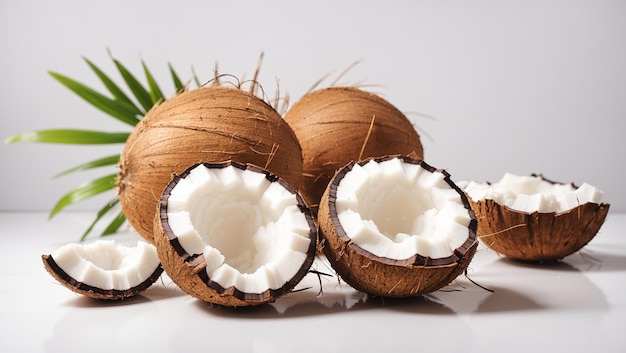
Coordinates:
[104,270]
[396,227]
[531,218]
[234,234]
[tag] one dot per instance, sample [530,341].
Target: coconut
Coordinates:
[208,124]
[534,219]
[396,227]
[234,234]
[337,125]
[103,269]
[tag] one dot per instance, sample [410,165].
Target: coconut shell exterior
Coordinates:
[337,125]
[184,271]
[188,271]
[208,124]
[386,277]
[94,292]
[537,237]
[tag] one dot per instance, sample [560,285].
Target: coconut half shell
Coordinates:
[103,270]
[208,124]
[234,234]
[538,236]
[396,227]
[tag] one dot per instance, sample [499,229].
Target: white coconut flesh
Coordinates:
[534,194]
[105,265]
[251,229]
[397,210]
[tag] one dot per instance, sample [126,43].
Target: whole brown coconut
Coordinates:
[208,124]
[337,125]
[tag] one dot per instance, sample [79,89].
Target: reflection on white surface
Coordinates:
[576,305]
[529,287]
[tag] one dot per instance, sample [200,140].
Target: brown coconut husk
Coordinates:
[386,277]
[537,237]
[188,271]
[337,125]
[94,292]
[208,124]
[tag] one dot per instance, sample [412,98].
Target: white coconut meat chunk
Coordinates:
[533,193]
[250,227]
[397,210]
[105,267]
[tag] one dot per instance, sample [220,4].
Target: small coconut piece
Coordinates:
[103,269]
[207,124]
[396,227]
[234,234]
[531,218]
[336,125]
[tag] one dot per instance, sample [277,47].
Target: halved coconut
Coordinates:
[534,219]
[234,234]
[103,269]
[395,226]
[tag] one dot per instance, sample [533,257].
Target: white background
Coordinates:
[511,86]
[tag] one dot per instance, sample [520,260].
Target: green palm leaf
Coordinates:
[126,108]
[180,87]
[85,191]
[140,92]
[118,109]
[101,162]
[113,226]
[155,92]
[113,87]
[70,136]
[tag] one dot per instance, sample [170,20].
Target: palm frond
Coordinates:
[113,226]
[115,90]
[70,136]
[140,92]
[155,92]
[100,162]
[128,108]
[85,191]
[180,87]
[118,109]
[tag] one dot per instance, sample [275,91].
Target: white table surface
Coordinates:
[576,305]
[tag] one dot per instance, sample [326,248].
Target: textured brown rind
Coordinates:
[94,292]
[208,124]
[537,237]
[337,125]
[187,270]
[386,277]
